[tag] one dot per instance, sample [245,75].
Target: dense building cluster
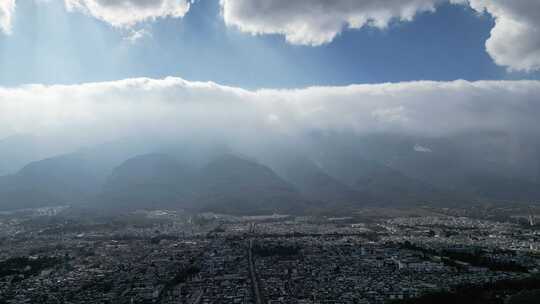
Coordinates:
[174,257]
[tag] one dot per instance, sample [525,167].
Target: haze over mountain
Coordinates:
[316,184]
[485,165]
[16,151]
[330,171]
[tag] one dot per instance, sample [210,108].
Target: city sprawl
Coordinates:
[51,256]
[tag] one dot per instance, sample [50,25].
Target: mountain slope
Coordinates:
[315,184]
[390,187]
[148,181]
[232,184]
[59,180]
[466,168]
[380,184]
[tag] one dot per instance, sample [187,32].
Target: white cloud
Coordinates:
[422,149]
[515,39]
[126,13]
[172,106]
[7,9]
[135,35]
[316,22]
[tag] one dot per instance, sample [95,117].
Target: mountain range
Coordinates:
[332,171]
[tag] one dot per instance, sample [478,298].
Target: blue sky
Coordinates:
[49,45]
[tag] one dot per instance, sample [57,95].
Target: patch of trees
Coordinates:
[181,276]
[479,260]
[102,286]
[525,297]
[476,258]
[410,246]
[156,239]
[25,266]
[275,250]
[516,291]
[184,274]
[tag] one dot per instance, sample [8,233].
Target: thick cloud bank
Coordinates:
[171,107]
[7,7]
[125,13]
